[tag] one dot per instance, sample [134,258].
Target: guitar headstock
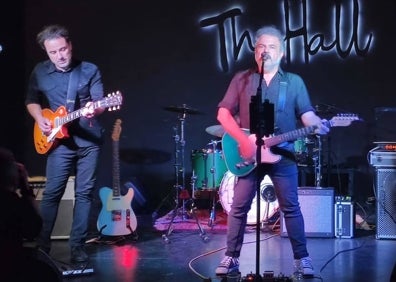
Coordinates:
[115,136]
[113,101]
[344,119]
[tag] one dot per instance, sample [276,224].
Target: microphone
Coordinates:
[265,56]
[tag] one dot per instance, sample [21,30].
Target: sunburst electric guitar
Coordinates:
[240,167]
[116,217]
[60,118]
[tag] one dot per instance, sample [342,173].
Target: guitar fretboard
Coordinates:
[73,115]
[289,136]
[116,169]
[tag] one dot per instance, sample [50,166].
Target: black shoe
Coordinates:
[78,254]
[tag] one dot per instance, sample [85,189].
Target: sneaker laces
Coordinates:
[227,261]
[306,263]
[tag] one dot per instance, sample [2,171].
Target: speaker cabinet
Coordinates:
[64,218]
[386,203]
[317,207]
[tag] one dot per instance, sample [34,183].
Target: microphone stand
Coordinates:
[261,124]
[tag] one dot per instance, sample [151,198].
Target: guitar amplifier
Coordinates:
[383,155]
[64,218]
[317,207]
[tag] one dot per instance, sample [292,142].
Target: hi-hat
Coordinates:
[215,130]
[184,109]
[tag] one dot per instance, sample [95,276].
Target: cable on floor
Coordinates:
[343,251]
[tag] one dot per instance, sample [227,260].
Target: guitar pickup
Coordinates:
[116,215]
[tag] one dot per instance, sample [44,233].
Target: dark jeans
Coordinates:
[284,176]
[61,163]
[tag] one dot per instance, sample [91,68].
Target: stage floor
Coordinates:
[189,256]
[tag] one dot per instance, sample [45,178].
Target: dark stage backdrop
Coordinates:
[170,53]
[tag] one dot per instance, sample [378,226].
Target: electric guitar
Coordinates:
[241,167]
[116,217]
[60,118]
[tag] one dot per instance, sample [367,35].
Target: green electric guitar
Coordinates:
[241,167]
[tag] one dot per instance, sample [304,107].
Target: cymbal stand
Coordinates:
[212,215]
[179,176]
[318,163]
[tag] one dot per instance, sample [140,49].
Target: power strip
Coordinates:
[78,272]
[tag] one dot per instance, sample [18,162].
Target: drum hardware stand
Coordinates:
[183,195]
[193,210]
[179,171]
[318,163]
[268,197]
[212,214]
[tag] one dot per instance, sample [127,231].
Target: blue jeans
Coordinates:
[62,162]
[284,176]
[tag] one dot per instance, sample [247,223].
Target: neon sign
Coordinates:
[346,38]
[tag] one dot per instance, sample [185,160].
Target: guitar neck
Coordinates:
[289,136]
[116,169]
[74,115]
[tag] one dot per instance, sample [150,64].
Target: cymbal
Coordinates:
[184,109]
[215,130]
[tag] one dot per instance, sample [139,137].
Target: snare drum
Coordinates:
[209,168]
[226,194]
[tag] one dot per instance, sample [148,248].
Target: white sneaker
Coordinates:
[227,265]
[304,266]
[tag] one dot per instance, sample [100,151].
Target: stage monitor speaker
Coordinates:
[317,207]
[386,199]
[64,218]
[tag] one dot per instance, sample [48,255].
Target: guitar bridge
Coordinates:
[244,164]
[116,215]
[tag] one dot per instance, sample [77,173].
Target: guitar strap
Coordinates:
[72,88]
[282,92]
[281,107]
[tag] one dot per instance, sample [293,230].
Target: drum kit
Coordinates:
[209,173]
